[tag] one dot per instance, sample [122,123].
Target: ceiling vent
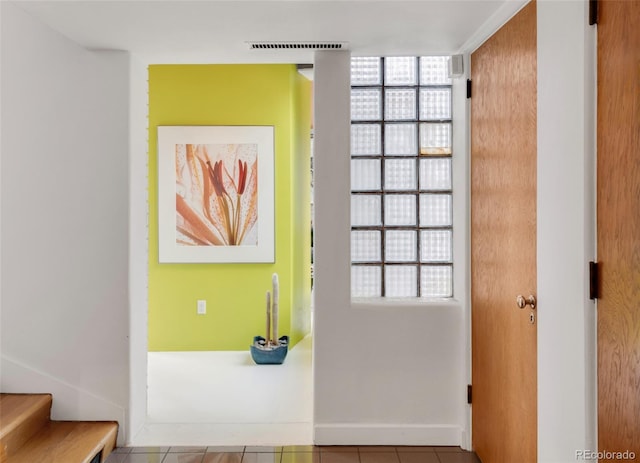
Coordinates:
[298,45]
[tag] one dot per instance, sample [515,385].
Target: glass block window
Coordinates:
[401,187]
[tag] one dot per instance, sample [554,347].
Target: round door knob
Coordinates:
[522,301]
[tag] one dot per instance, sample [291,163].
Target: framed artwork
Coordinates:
[216,194]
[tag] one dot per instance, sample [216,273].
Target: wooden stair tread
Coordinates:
[21,416]
[16,408]
[68,442]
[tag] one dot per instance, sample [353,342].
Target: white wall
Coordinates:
[386,374]
[461,162]
[566,214]
[65,224]
[138,247]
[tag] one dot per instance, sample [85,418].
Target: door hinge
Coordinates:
[593,12]
[469,394]
[594,280]
[468,88]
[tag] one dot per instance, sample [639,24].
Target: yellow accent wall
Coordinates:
[301,182]
[235,293]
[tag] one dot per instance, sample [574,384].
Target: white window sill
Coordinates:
[384,303]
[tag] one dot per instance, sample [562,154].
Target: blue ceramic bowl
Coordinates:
[274,356]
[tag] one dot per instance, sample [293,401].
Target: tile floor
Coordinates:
[292,454]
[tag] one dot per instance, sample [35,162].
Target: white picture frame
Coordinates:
[216,194]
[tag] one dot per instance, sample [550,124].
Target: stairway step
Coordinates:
[69,442]
[21,416]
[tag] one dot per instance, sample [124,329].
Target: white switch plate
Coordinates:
[202,307]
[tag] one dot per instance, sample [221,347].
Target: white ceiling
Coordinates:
[211,31]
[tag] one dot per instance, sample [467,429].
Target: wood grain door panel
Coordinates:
[618,204]
[503,242]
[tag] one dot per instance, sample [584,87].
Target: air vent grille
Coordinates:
[297,45]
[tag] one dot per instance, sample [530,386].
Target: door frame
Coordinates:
[566,230]
[137,411]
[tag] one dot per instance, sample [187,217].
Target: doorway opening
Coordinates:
[203,387]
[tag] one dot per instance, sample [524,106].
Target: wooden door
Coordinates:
[503,242]
[618,203]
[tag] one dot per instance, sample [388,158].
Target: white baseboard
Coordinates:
[386,434]
[69,401]
[223,434]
